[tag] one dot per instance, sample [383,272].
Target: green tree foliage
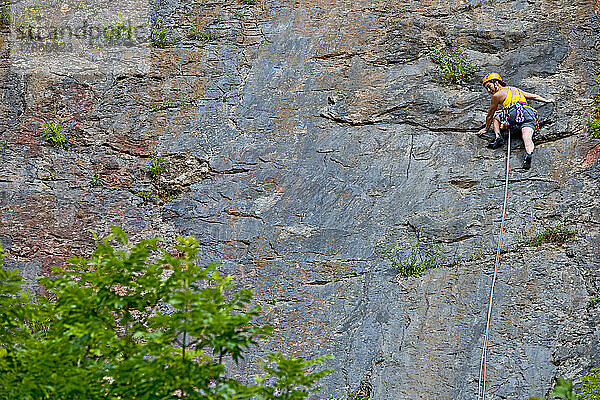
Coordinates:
[591,386]
[563,388]
[135,322]
[12,310]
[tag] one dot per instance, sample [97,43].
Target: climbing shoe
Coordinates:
[527,161]
[497,143]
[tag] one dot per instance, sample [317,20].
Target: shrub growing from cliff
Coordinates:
[363,392]
[119,32]
[453,63]
[135,322]
[594,118]
[592,302]
[204,35]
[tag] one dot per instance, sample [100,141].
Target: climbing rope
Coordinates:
[483,366]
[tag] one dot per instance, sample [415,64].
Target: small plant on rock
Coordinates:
[146,196]
[165,105]
[594,118]
[160,39]
[5,18]
[169,193]
[479,4]
[453,64]
[97,180]
[207,35]
[413,256]
[557,235]
[470,7]
[363,392]
[157,166]
[120,31]
[53,135]
[592,302]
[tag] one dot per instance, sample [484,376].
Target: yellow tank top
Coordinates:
[514,96]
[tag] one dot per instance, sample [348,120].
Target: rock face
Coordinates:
[299,136]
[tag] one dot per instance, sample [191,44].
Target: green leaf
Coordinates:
[102,335]
[563,389]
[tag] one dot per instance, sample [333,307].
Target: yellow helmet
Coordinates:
[492,76]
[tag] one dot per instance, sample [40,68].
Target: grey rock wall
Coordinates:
[299,136]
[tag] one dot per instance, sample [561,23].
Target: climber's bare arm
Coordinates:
[490,115]
[532,96]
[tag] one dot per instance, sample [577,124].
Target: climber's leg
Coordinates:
[527,133]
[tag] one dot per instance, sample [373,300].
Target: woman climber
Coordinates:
[516,115]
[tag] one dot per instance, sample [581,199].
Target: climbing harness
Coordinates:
[483,365]
[519,107]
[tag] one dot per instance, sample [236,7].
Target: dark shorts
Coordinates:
[529,120]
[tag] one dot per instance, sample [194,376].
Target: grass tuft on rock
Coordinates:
[556,235]
[160,38]
[5,19]
[362,393]
[592,302]
[53,135]
[157,166]
[413,256]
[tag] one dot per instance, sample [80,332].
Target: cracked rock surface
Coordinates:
[298,137]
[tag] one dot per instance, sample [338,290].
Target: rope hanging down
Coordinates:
[483,366]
